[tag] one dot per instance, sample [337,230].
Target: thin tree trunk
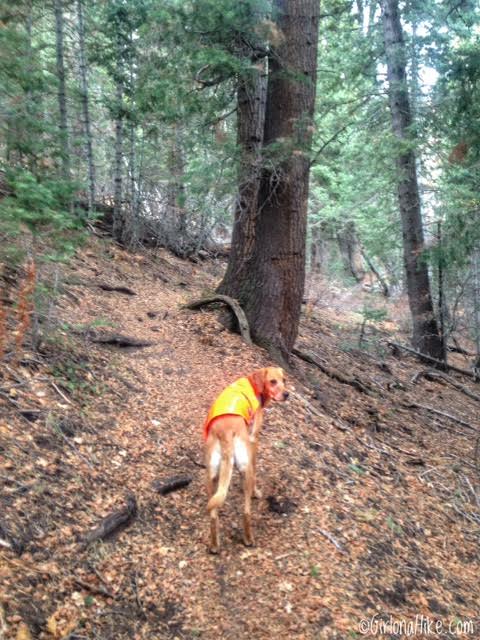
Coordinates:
[350,251]
[426,336]
[317,249]
[441,295]
[476,302]
[118,221]
[176,189]
[270,284]
[85,108]
[62,92]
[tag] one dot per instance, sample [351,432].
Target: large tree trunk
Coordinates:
[270,283]
[62,94]
[251,102]
[85,107]
[426,337]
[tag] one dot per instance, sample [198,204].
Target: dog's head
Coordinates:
[270,383]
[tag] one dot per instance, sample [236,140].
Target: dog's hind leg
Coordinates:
[248,488]
[242,451]
[217,500]
[213,460]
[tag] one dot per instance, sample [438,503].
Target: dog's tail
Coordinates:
[225,475]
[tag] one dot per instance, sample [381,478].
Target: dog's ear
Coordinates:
[257,378]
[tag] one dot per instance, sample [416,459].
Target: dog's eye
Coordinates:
[273,382]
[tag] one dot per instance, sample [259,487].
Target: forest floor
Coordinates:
[369,525]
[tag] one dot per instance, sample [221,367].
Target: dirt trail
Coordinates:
[356,520]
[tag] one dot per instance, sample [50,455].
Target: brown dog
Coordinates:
[231,432]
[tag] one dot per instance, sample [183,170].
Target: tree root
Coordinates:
[234,306]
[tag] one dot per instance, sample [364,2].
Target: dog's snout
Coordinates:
[285,395]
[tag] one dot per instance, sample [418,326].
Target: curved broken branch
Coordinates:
[234,306]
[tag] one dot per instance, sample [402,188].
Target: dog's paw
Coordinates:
[213,550]
[248,542]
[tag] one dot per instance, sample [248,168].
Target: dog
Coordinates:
[231,433]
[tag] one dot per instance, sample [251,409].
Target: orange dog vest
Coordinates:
[238,399]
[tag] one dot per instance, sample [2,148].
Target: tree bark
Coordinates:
[84,97]
[476,303]
[350,250]
[270,281]
[176,189]
[251,103]
[118,221]
[62,93]
[426,336]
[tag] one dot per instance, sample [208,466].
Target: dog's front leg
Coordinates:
[257,493]
[257,425]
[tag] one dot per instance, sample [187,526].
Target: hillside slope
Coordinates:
[371,504]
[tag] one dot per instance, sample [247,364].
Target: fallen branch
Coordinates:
[428,374]
[326,422]
[105,286]
[463,423]
[119,340]
[234,306]
[332,373]
[96,590]
[171,484]
[114,522]
[440,363]
[119,288]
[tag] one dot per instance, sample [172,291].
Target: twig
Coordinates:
[335,542]
[94,589]
[72,446]
[474,493]
[137,596]
[285,555]
[60,393]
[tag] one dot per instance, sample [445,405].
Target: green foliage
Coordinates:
[373,314]
[37,207]
[315,571]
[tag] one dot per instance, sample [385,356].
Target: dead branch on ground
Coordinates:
[114,522]
[332,373]
[424,357]
[435,376]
